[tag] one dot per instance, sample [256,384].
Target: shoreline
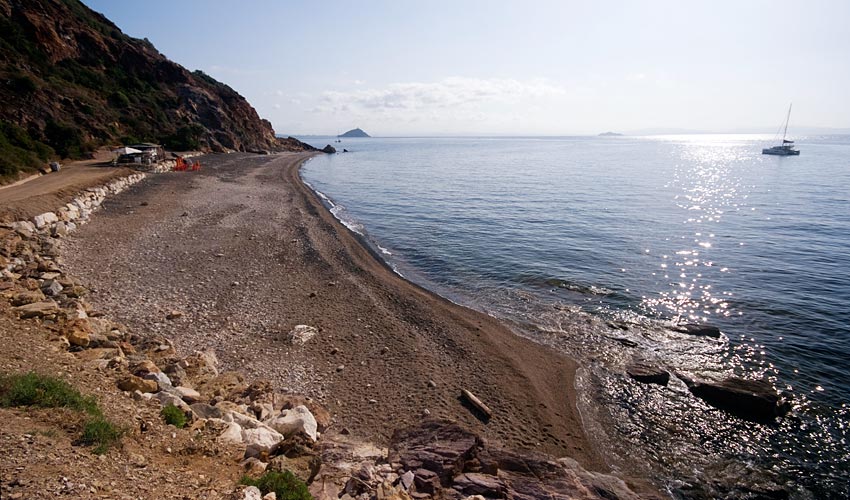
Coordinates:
[497,329]
[388,353]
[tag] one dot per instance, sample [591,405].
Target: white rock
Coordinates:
[241,419]
[298,419]
[45,219]
[252,493]
[260,439]
[301,334]
[24,225]
[233,434]
[188,394]
[270,496]
[161,379]
[169,398]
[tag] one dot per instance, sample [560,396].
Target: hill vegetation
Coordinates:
[71,81]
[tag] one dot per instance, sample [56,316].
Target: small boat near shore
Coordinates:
[786,148]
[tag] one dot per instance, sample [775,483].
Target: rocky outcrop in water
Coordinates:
[755,400]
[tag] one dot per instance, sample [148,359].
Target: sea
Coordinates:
[598,246]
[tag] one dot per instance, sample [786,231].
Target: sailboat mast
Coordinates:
[787,118]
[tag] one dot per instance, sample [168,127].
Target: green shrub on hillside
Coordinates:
[19,151]
[66,140]
[285,485]
[100,433]
[173,416]
[32,389]
[41,391]
[187,138]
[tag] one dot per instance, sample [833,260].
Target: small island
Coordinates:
[610,134]
[355,133]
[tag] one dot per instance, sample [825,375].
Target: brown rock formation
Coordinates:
[71,80]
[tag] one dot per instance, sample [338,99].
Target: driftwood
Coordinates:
[474,401]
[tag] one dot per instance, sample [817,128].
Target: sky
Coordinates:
[403,68]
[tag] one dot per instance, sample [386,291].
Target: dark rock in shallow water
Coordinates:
[645,372]
[754,400]
[698,330]
[329,149]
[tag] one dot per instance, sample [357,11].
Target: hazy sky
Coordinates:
[499,67]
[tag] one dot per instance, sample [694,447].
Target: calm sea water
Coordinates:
[596,246]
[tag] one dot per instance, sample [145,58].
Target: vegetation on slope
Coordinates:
[71,81]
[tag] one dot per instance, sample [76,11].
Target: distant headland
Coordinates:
[356,132]
[610,134]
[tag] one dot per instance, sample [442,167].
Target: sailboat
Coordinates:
[787,147]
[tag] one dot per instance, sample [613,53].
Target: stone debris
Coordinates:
[295,420]
[301,334]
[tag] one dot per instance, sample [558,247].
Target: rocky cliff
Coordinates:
[70,81]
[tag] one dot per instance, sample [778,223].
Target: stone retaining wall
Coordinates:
[78,211]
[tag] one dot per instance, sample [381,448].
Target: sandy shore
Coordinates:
[246,252]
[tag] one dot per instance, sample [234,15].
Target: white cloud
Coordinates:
[449,93]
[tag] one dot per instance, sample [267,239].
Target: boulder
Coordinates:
[203,410]
[144,367]
[236,415]
[755,400]
[301,334]
[27,297]
[329,149]
[51,288]
[161,379]
[134,383]
[80,326]
[169,398]
[231,435]
[644,371]
[439,446]
[37,309]
[251,493]
[698,330]
[298,419]
[260,440]
[472,483]
[188,394]
[45,219]
[60,229]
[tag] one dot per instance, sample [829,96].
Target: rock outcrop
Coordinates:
[70,80]
[755,400]
[698,330]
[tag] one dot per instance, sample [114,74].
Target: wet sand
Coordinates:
[246,251]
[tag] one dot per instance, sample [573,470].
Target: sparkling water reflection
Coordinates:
[596,246]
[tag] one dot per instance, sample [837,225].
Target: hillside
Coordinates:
[355,133]
[71,81]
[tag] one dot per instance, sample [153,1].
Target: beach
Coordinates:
[243,251]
